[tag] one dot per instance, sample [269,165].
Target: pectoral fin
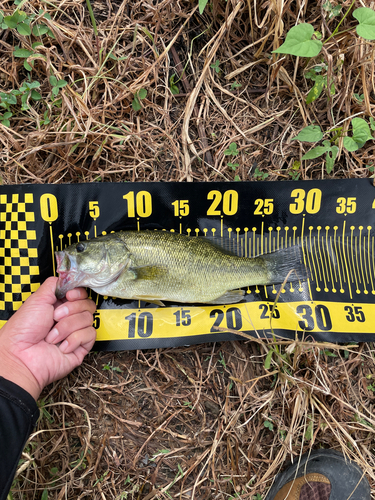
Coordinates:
[229,297]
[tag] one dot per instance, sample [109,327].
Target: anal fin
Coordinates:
[229,297]
[146,298]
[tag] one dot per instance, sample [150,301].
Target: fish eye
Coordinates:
[80,247]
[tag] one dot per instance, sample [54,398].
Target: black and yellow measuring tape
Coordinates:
[332,221]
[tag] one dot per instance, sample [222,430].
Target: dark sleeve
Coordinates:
[18,416]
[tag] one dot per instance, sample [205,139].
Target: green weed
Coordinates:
[360,135]
[109,367]
[268,424]
[331,9]
[259,175]
[235,85]
[136,104]
[232,150]
[4,118]
[172,85]
[202,5]
[302,40]
[56,84]
[222,360]
[216,66]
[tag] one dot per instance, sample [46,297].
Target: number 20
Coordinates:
[230,202]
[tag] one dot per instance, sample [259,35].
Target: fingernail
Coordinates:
[64,346]
[60,313]
[52,336]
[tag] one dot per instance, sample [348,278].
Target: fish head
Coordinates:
[92,263]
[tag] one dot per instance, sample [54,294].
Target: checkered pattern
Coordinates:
[18,250]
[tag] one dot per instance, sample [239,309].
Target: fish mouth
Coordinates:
[69,276]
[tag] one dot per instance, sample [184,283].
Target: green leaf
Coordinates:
[372,123]
[46,16]
[309,431]
[311,133]
[232,150]
[53,80]
[268,424]
[35,95]
[216,66]
[350,144]
[202,4]
[331,157]
[142,93]
[7,115]
[115,58]
[19,16]
[61,83]
[27,66]
[366,19]
[50,33]
[24,101]
[267,362]
[34,85]
[315,153]
[298,42]
[40,29]
[55,90]
[235,85]
[361,134]
[22,53]
[1,17]
[136,105]
[361,130]
[24,29]
[44,495]
[10,22]
[36,44]
[316,90]
[174,89]
[5,122]
[8,98]
[145,30]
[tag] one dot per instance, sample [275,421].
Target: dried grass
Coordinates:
[188,422]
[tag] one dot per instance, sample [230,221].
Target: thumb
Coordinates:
[45,293]
[37,305]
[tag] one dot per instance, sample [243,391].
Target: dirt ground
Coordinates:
[152,90]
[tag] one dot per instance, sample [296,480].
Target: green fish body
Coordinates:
[158,265]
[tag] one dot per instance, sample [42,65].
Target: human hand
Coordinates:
[46,338]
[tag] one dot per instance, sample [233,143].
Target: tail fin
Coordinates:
[286,264]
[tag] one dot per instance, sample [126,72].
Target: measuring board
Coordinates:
[332,221]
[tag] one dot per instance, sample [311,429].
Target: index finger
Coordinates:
[76,294]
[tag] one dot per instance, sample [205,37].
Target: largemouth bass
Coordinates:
[156,265]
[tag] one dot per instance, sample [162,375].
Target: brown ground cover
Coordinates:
[214,420]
